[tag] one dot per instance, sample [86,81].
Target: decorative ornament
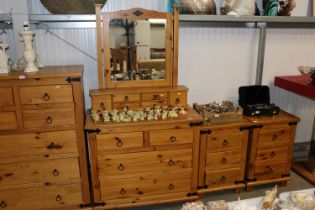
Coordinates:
[4,58]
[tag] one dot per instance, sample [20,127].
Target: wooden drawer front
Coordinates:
[154,96]
[30,172]
[119,141]
[274,137]
[171,136]
[150,104]
[8,120]
[223,177]
[223,160]
[145,186]
[269,171]
[131,163]
[178,99]
[6,97]
[130,105]
[272,155]
[224,141]
[46,118]
[102,102]
[126,97]
[34,144]
[46,94]
[42,197]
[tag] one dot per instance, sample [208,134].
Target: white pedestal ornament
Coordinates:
[4,58]
[29,52]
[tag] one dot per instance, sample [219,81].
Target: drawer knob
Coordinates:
[156,97]
[171,162]
[119,143]
[273,154]
[225,143]
[274,137]
[46,97]
[49,120]
[223,179]
[224,161]
[126,98]
[173,139]
[122,191]
[177,101]
[171,187]
[3,204]
[58,198]
[269,170]
[52,145]
[102,106]
[56,172]
[121,167]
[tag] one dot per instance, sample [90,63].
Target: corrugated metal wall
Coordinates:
[213,62]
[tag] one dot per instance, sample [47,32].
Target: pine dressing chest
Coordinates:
[42,149]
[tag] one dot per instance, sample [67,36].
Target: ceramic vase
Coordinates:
[29,53]
[4,58]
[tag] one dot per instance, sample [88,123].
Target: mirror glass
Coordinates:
[137,49]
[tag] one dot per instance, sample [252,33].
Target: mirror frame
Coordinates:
[103,47]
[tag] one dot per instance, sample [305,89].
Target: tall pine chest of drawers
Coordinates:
[42,149]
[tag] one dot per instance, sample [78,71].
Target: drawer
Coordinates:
[130,105]
[150,104]
[154,96]
[46,118]
[41,172]
[6,96]
[119,141]
[178,99]
[224,141]
[145,186]
[223,177]
[38,144]
[8,121]
[271,155]
[101,102]
[126,97]
[160,161]
[46,94]
[270,170]
[223,160]
[171,136]
[274,137]
[52,197]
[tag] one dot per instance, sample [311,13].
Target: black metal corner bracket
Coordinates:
[202,187]
[192,194]
[195,124]
[206,132]
[257,126]
[83,206]
[97,130]
[292,123]
[245,128]
[73,79]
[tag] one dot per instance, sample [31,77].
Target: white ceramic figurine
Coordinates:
[4,58]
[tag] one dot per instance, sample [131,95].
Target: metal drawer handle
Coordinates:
[225,143]
[126,98]
[273,154]
[49,120]
[177,101]
[119,142]
[102,106]
[224,161]
[171,162]
[46,97]
[3,204]
[56,172]
[171,187]
[223,179]
[122,191]
[173,139]
[274,137]
[121,167]
[58,198]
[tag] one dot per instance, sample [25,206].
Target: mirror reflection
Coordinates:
[137,49]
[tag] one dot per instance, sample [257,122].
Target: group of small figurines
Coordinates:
[143,74]
[128,115]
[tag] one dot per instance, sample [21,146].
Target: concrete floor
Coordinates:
[296,183]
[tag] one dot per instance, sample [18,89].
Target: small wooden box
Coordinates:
[225,117]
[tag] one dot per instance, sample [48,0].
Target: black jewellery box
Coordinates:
[255,101]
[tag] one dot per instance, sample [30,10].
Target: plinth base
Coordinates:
[305,169]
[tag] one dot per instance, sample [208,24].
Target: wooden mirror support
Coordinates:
[104,50]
